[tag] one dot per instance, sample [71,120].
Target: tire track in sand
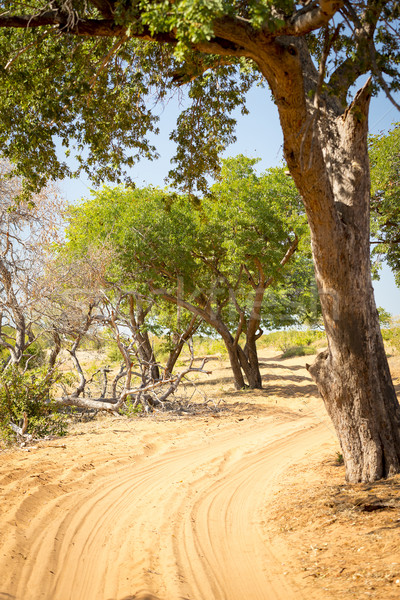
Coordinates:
[183,524]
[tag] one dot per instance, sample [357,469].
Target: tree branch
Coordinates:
[362,59]
[316,15]
[292,249]
[100,404]
[105,8]
[232,36]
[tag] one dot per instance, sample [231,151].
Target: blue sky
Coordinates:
[258,135]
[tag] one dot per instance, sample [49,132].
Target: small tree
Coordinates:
[215,260]
[26,230]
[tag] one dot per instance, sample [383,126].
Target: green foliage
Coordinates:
[288,338]
[206,127]
[4,354]
[209,250]
[339,460]
[384,151]
[130,409]
[88,108]
[35,355]
[104,112]
[29,392]
[385,318]
[113,353]
[162,345]
[102,96]
[391,336]
[298,351]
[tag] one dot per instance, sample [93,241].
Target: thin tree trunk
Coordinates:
[238,360]
[150,368]
[235,364]
[250,368]
[252,328]
[179,341]
[147,357]
[56,349]
[250,352]
[214,321]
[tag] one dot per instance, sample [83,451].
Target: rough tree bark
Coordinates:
[353,376]
[327,156]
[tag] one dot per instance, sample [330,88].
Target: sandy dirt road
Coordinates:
[179,516]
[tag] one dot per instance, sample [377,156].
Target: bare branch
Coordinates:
[100,404]
[312,17]
[292,249]
[20,431]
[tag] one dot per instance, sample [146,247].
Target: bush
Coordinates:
[35,355]
[208,345]
[30,393]
[298,351]
[288,338]
[130,409]
[392,338]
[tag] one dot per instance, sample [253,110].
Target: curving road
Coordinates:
[184,521]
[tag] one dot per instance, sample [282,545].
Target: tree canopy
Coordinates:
[247,220]
[93,75]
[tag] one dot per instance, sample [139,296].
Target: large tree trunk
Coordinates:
[353,376]
[327,154]
[354,381]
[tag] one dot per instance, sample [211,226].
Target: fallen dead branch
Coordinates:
[20,430]
[154,394]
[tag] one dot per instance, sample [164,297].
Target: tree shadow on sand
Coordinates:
[144,596]
[291,391]
[139,596]
[281,365]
